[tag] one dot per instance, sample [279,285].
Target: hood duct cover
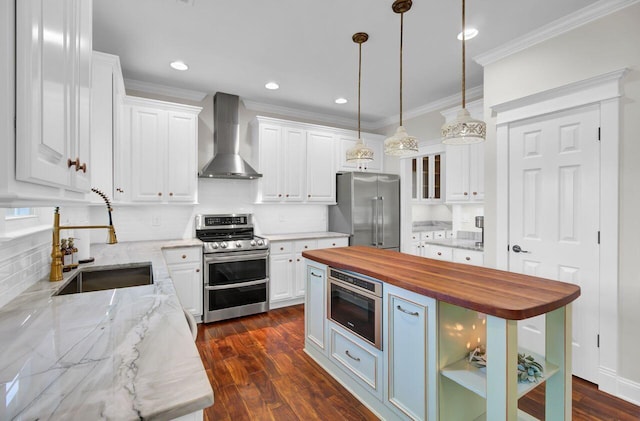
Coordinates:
[226,161]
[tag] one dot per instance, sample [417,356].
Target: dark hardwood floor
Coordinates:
[259,371]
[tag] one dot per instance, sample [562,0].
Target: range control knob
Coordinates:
[253,243]
[238,244]
[224,245]
[260,243]
[214,245]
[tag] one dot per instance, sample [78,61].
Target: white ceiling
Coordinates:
[236,46]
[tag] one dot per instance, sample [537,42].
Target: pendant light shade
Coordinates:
[464,130]
[401,143]
[359,152]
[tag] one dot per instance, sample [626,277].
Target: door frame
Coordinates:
[605,90]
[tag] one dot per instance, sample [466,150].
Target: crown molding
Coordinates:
[262,107]
[154,88]
[581,17]
[436,105]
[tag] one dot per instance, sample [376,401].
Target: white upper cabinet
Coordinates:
[465,164]
[375,142]
[427,178]
[107,93]
[53,96]
[162,139]
[321,175]
[298,161]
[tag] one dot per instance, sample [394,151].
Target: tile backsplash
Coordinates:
[24,262]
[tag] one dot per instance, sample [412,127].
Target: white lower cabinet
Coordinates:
[185,268]
[439,252]
[315,308]
[287,271]
[408,353]
[469,257]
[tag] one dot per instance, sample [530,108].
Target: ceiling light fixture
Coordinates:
[272,86]
[468,34]
[359,152]
[464,130]
[341,101]
[401,143]
[179,65]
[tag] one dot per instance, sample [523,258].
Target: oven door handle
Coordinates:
[241,285]
[235,257]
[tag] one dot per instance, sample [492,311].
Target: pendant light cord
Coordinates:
[359,82]
[401,33]
[464,37]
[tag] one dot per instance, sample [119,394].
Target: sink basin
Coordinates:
[100,279]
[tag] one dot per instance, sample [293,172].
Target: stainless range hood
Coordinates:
[226,161]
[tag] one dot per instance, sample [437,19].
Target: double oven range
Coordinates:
[236,266]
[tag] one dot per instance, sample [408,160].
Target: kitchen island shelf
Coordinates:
[522,416]
[475,379]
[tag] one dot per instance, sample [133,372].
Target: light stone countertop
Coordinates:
[456,243]
[120,354]
[303,235]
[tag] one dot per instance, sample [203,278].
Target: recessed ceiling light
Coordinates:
[272,86]
[468,34]
[179,65]
[341,101]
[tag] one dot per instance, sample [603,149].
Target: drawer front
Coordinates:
[355,359]
[415,236]
[469,257]
[281,247]
[439,235]
[304,245]
[441,253]
[426,235]
[325,243]
[449,234]
[182,255]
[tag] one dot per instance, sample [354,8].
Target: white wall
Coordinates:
[608,44]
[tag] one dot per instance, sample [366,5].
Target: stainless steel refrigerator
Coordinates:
[368,208]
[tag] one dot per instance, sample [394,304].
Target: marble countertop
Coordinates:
[124,354]
[303,235]
[456,243]
[420,226]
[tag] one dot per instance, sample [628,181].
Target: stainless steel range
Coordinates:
[236,266]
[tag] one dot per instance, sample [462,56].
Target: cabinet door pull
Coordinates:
[297,260]
[466,194]
[290,260]
[351,356]
[439,254]
[82,167]
[467,258]
[316,275]
[308,195]
[475,193]
[197,270]
[286,195]
[184,256]
[71,163]
[170,193]
[159,193]
[279,195]
[410,313]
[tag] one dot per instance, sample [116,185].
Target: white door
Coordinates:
[554,219]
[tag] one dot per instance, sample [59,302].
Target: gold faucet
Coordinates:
[56,255]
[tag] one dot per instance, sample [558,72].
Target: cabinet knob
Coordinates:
[71,163]
[279,195]
[306,247]
[308,195]
[184,256]
[119,190]
[297,260]
[281,248]
[170,193]
[333,244]
[197,270]
[467,258]
[439,254]
[475,193]
[159,193]
[290,260]
[466,194]
[82,167]
[286,195]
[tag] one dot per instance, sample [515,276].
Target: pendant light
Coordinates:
[464,130]
[401,143]
[359,152]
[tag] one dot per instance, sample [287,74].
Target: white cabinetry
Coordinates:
[53,93]
[107,93]
[411,370]
[465,173]
[162,138]
[287,272]
[375,142]
[315,308]
[321,174]
[421,246]
[469,257]
[185,269]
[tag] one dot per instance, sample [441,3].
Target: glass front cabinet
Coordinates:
[427,178]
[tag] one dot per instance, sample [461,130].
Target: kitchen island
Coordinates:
[441,310]
[122,354]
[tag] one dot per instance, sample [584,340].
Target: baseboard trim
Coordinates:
[619,387]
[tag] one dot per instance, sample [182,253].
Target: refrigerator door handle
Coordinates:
[374,231]
[381,221]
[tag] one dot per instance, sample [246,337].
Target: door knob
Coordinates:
[518,249]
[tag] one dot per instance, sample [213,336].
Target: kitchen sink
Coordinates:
[99,279]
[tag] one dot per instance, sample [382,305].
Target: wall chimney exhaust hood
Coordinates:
[226,161]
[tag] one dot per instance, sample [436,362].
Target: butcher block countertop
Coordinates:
[498,293]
